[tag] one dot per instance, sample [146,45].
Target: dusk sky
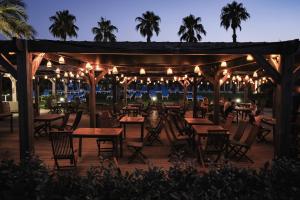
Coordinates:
[271,20]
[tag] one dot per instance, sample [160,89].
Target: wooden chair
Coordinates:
[215,145]
[228,121]
[153,134]
[180,124]
[263,131]
[136,148]
[63,124]
[76,122]
[238,133]
[62,149]
[240,149]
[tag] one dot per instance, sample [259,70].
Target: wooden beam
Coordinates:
[296,73]
[284,102]
[7,65]
[267,67]
[195,110]
[36,62]
[92,99]
[24,87]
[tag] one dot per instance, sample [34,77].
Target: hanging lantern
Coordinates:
[97,68]
[167,81]
[33,77]
[224,64]
[141,81]
[175,78]
[169,71]
[221,81]
[148,79]
[77,75]
[49,64]
[225,72]
[185,76]
[197,69]
[228,75]
[61,60]
[233,78]
[115,70]
[57,70]
[66,74]
[249,58]
[246,78]
[122,75]
[255,74]
[142,71]
[58,75]
[88,66]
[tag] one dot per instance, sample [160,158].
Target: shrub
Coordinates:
[29,179]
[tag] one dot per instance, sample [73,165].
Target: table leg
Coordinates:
[80,147]
[121,146]
[124,129]
[142,132]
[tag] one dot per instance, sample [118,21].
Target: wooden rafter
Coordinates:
[36,62]
[6,64]
[267,67]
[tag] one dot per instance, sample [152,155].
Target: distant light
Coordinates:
[33,77]
[169,71]
[228,75]
[185,76]
[249,58]
[61,99]
[246,78]
[161,79]
[58,75]
[97,68]
[196,69]
[77,75]
[122,75]
[142,81]
[11,53]
[233,78]
[115,70]
[221,81]
[154,98]
[224,64]
[238,100]
[167,81]
[148,79]
[142,71]
[46,77]
[225,71]
[49,64]
[61,60]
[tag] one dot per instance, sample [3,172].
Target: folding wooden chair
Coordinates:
[136,148]
[76,122]
[240,149]
[238,133]
[215,145]
[153,134]
[63,124]
[62,149]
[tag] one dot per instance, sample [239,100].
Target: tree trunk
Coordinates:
[234,35]
[148,38]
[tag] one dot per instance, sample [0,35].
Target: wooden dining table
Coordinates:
[133,120]
[47,119]
[131,109]
[198,121]
[113,133]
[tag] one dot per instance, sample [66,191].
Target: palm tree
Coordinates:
[148,23]
[191,29]
[232,15]
[63,25]
[13,20]
[104,32]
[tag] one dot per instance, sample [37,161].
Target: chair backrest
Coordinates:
[167,130]
[240,130]
[62,144]
[228,121]
[77,120]
[65,120]
[252,135]
[216,141]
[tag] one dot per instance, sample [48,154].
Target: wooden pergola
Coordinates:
[155,58]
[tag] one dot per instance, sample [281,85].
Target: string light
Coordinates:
[255,74]
[169,71]
[57,70]
[196,69]
[66,74]
[115,70]
[88,66]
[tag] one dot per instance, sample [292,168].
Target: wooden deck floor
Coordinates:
[157,155]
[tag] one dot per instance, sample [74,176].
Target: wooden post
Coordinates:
[24,88]
[114,88]
[36,86]
[216,86]
[195,97]
[184,92]
[284,102]
[92,99]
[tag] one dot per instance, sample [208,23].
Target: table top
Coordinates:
[172,106]
[97,132]
[203,129]
[48,117]
[127,119]
[242,108]
[131,108]
[198,121]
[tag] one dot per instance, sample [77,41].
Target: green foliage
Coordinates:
[29,179]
